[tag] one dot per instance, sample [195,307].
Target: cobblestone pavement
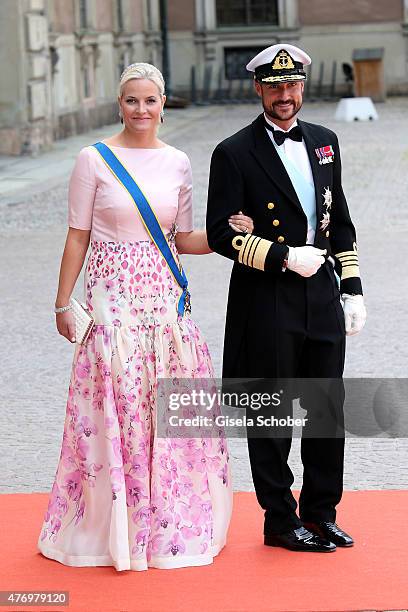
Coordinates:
[36,362]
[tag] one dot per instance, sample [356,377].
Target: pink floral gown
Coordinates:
[122,496]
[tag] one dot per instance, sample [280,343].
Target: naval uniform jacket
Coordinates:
[247,174]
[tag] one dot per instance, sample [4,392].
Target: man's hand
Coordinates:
[305,260]
[355,313]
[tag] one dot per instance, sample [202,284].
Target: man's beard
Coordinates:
[275,114]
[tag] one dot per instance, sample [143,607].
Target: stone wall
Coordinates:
[181,15]
[25,88]
[323,12]
[59,76]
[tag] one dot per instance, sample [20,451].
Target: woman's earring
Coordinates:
[120,116]
[161,116]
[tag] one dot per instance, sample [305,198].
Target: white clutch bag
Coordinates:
[83,320]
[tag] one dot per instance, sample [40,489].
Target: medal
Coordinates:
[325,154]
[327,195]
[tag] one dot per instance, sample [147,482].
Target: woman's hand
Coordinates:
[195,242]
[76,246]
[241,223]
[66,325]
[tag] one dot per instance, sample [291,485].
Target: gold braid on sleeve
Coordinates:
[252,250]
[349,263]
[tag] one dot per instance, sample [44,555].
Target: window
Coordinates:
[235,60]
[119,14]
[83,14]
[87,81]
[247,12]
[124,61]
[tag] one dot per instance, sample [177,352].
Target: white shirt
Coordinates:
[297,153]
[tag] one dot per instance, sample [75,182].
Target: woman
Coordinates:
[123,496]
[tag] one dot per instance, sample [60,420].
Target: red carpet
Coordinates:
[246,577]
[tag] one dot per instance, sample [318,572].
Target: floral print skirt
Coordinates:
[123,496]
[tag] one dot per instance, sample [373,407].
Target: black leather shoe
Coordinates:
[300,539]
[331,531]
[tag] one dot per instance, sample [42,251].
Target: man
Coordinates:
[284,315]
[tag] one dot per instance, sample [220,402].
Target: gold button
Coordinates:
[281,238]
[327,234]
[276,222]
[271,205]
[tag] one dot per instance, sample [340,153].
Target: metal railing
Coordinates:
[207,88]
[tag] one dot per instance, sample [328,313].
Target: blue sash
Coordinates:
[305,191]
[150,221]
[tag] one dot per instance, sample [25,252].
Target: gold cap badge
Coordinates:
[283,61]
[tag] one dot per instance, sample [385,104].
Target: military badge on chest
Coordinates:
[325,155]
[327,195]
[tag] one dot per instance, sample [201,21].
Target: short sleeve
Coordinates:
[184,218]
[81,192]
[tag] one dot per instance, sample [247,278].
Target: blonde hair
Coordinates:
[141,70]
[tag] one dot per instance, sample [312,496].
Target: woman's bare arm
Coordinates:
[195,242]
[192,243]
[76,246]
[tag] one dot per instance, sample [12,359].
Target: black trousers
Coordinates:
[303,335]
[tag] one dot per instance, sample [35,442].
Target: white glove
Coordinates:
[305,260]
[354,313]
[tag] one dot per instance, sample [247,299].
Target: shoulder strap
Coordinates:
[149,219]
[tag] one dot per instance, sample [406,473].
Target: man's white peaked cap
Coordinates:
[268,55]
